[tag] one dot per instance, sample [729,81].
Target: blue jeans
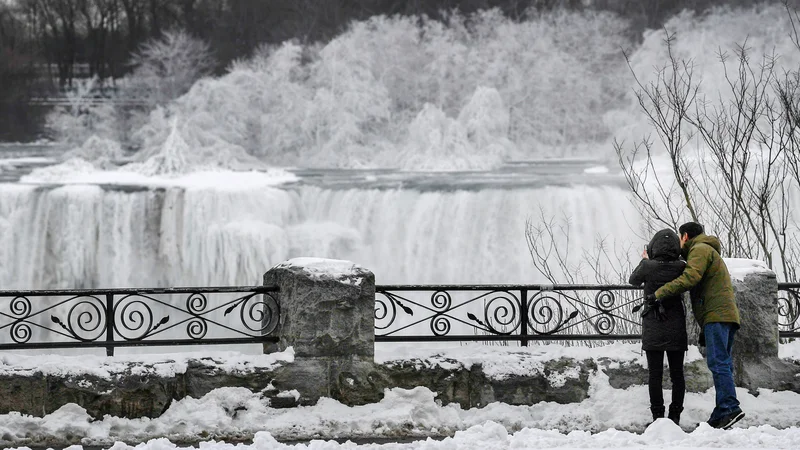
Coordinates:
[719,344]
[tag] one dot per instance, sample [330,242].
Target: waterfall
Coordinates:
[90,236]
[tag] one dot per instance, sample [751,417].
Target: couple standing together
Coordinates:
[666,276]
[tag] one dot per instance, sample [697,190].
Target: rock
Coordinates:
[452,385]
[309,376]
[757,298]
[622,375]
[25,393]
[755,350]
[326,307]
[561,381]
[698,377]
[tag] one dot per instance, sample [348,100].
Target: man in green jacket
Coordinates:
[715,310]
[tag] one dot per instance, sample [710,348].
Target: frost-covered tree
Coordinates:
[83,118]
[350,104]
[166,68]
[517,89]
[724,141]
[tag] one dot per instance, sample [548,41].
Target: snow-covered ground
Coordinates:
[609,418]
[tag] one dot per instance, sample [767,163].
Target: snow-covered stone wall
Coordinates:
[326,349]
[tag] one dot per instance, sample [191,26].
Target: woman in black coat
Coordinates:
[663,321]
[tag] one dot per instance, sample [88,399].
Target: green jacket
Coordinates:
[707,279]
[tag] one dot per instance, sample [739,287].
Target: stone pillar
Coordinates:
[327,310]
[755,350]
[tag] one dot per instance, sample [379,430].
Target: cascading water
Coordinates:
[87,236]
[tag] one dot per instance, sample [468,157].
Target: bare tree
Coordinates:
[736,183]
[667,103]
[549,243]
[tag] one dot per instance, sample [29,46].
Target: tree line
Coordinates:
[46,44]
[103,33]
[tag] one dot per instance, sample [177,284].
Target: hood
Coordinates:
[665,246]
[705,239]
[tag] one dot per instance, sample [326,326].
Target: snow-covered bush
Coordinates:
[83,118]
[101,151]
[521,89]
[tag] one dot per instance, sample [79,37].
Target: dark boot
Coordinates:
[675,414]
[658,412]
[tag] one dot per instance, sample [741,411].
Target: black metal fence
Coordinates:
[789,310]
[523,313]
[113,318]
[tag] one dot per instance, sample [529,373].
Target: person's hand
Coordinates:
[655,305]
[644,254]
[659,311]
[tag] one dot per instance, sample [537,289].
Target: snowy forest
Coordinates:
[47,44]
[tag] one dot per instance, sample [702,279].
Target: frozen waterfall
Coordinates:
[91,236]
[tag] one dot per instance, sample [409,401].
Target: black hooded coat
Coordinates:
[664,265]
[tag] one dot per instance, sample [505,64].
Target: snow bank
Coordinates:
[790,350]
[739,268]
[325,269]
[609,418]
[596,170]
[163,365]
[6,162]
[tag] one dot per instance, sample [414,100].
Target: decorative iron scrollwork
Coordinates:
[85,320]
[21,332]
[386,309]
[20,307]
[134,315]
[585,310]
[115,317]
[502,312]
[606,323]
[788,309]
[546,313]
[267,315]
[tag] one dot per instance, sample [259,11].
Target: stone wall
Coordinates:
[130,394]
[327,310]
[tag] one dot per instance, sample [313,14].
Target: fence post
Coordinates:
[523,301]
[327,316]
[110,324]
[755,351]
